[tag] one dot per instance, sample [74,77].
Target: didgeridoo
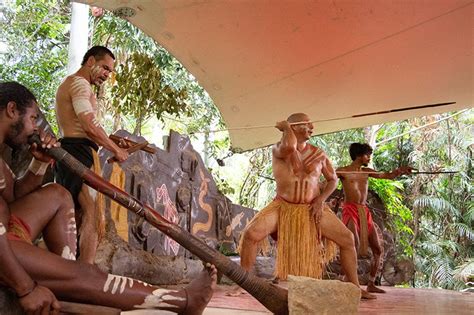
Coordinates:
[272,297]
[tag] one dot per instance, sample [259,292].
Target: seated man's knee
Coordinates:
[58,192]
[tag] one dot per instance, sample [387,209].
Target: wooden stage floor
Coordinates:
[395,301]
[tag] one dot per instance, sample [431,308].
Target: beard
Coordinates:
[13,139]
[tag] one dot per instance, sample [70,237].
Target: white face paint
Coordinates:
[160,298]
[3,230]
[96,75]
[68,254]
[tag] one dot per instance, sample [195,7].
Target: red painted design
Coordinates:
[171,214]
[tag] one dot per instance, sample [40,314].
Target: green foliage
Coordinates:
[390,193]
[257,177]
[36,36]
[443,204]
[140,92]
[176,90]
[396,153]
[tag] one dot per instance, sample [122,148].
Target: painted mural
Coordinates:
[176,183]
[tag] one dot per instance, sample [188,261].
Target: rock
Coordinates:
[115,256]
[312,296]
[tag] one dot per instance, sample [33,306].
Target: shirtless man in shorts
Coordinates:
[82,134]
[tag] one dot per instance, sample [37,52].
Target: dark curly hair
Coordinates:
[15,92]
[98,52]
[358,149]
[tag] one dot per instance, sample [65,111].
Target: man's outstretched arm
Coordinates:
[95,131]
[403,170]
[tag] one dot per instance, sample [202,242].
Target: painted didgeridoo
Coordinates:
[272,297]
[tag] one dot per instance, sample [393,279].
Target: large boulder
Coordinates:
[312,296]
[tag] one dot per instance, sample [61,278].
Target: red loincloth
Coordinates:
[350,212]
[18,230]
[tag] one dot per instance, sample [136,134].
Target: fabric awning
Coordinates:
[262,60]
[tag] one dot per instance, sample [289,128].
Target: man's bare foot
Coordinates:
[364,295]
[200,290]
[372,288]
[236,291]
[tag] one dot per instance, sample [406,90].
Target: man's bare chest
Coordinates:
[307,162]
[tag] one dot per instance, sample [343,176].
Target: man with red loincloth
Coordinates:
[355,214]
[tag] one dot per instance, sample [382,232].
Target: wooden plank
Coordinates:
[78,308]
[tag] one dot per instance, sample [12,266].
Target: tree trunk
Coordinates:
[78,40]
[370,135]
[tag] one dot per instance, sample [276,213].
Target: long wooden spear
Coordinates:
[272,297]
[331,119]
[412,173]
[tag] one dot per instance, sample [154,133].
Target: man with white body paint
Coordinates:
[76,107]
[28,209]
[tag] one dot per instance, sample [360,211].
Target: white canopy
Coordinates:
[262,60]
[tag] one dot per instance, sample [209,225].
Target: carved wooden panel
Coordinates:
[178,179]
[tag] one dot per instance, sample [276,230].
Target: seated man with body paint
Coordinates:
[28,209]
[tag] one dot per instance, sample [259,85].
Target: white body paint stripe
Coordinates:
[68,254]
[82,106]
[118,282]
[160,298]
[3,230]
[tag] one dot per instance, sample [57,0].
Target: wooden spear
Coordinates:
[272,297]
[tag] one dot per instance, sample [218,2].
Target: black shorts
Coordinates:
[81,149]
